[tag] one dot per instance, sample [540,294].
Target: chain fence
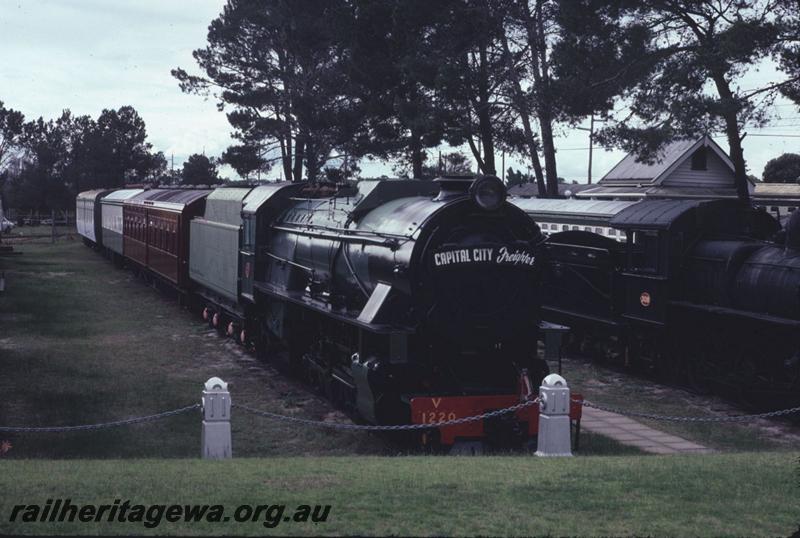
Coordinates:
[394,427]
[101,426]
[672,418]
[388,427]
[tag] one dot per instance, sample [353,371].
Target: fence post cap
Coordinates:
[554,380]
[216,384]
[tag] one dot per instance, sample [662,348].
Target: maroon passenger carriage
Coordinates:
[156,231]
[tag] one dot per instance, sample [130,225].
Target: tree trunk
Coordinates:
[484,116]
[287,159]
[734,139]
[520,105]
[534,27]
[546,127]
[476,152]
[299,151]
[312,160]
[416,154]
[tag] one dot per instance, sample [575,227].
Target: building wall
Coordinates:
[717,174]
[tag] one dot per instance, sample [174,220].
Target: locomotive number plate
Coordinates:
[432,410]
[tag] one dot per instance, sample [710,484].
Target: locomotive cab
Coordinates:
[659,234]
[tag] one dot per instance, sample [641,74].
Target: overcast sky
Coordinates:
[87,55]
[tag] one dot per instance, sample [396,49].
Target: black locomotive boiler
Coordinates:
[401,289]
[705,291]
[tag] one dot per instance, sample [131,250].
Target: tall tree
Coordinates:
[123,134]
[11,130]
[40,185]
[392,67]
[275,64]
[527,141]
[783,169]
[536,18]
[471,75]
[247,159]
[683,82]
[788,52]
[70,154]
[199,170]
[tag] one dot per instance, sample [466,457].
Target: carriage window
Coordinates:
[598,231]
[644,252]
[587,228]
[612,231]
[249,233]
[564,227]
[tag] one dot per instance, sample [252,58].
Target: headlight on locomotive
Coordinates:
[488,192]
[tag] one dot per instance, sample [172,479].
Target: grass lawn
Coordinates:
[744,494]
[84,342]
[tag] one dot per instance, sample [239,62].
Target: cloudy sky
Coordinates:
[87,55]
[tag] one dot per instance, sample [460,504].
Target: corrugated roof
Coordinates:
[653,214]
[631,169]
[122,194]
[657,192]
[91,194]
[225,205]
[168,198]
[532,189]
[782,190]
[262,193]
[554,206]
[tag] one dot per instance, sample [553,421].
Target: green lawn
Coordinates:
[740,494]
[84,342]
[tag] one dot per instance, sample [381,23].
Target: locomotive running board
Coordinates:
[574,314]
[300,298]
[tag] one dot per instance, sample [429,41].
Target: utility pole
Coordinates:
[591,146]
[591,143]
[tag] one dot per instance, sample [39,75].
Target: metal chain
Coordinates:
[85,427]
[391,427]
[737,418]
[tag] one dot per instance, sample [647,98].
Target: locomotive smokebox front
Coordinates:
[471,277]
[479,266]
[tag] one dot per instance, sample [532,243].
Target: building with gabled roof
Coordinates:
[682,169]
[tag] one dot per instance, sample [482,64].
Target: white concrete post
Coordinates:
[216,420]
[554,434]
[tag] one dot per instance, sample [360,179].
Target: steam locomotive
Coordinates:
[703,291]
[406,301]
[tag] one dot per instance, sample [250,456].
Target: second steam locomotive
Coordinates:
[705,291]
